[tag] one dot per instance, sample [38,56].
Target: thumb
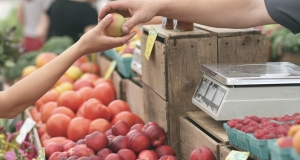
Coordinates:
[105,21]
[130,23]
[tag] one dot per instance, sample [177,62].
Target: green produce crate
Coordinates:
[110,53]
[277,153]
[295,155]
[259,148]
[231,134]
[124,65]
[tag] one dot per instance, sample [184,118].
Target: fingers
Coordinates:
[119,41]
[108,8]
[130,23]
[105,22]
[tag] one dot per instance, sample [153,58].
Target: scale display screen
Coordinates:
[210,94]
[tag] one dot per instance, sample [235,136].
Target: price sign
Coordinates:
[237,155]
[150,42]
[26,127]
[110,69]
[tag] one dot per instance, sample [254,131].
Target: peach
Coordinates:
[284,142]
[43,58]
[28,70]
[114,156]
[156,135]
[137,127]
[51,148]
[69,145]
[58,155]
[114,29]
[168,157]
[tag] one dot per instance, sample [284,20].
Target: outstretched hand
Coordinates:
[137,12]
[95,41]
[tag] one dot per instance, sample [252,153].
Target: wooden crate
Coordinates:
[224,151]
[133,94]
[172,73]
[104,63]
[199,129]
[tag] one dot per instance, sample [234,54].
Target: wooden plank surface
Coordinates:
[116,80]
[155,108]
[154,69]
[185,57]
[228,32]
[192,137]
[209,124]
[103,64]
[172,34]
[242,49]
[224,151]
[134,97]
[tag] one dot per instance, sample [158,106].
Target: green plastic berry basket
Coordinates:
[294,154]
[124,65]
[109,53]
[231,134]
[259,148]
[277,153]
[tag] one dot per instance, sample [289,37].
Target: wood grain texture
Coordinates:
[227,32]
[224,151]
[134,97]
[242,49]
[103,64]
[172,34]
[185,57]
[117,81]
[155,108]
[210,125]
[192,137]
[154,69]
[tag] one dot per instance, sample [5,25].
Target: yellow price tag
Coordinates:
[150,42]
[110,70]
[237,155]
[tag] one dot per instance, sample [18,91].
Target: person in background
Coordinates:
[214,13]
[28,14]
[25,92]
[68,18]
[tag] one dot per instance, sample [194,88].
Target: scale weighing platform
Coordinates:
[229,91]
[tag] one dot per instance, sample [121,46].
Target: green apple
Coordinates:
[114,29]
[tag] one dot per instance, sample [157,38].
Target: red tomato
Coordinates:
[78,84]
[70,99]
[64,110]
[46,110]
[50,96]
[85,93]
[89,67]
[128,117]
[118,106]
[101,125]
[100,80]
[104,92]
[57,125]
[78,128]
[94,109]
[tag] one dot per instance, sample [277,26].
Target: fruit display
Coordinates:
[120,142]
[203,153]
[254,134]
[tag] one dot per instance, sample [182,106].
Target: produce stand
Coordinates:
[175,63]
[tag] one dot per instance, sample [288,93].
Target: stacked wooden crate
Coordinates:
[172,73]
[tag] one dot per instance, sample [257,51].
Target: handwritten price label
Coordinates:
[237,155]
[150,42]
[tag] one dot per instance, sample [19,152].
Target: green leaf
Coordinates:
[9,63]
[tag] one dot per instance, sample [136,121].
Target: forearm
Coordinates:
[216,13]
[25,92]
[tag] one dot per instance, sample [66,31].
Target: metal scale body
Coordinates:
[229,91]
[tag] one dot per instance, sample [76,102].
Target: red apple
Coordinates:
[127,154]
[148,125]
[114,29]
[202,153]
[114,156]
[103,153]
[138,127]
[120,128]
[138,142]
[168,157]
[96,141]
[58,155]
[147,155]
[164,150]
[118,143]
[156,135]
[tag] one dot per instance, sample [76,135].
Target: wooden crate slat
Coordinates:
[192,137]
[154,69]
[212,126]
[228,32]
[250,49]
[172,34]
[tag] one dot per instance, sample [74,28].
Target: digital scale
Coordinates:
[229,91]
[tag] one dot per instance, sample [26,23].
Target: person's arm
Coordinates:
[24,93]
[20,14]
[43,26]
[215,13]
